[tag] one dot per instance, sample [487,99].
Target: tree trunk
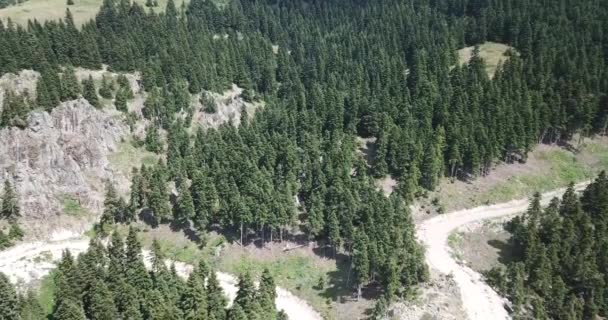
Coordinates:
[241,234]
[358,292]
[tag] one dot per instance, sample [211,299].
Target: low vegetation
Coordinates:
[547,168]
[52,10]
[492,53]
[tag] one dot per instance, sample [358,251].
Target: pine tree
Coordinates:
[90,93]
[267,295]
[9,306]
[152,140]
[10,206]
[185,206]
[360,260]
[127,302]
[193,301]
[246,295]
[237,313]
[105,91]
[101,304]
[136,274]
[70,88]
[216,302]
[69,310]
[121,100]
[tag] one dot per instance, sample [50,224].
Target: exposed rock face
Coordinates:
[230,106]
[60,156]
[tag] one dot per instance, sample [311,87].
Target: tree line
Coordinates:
[559,268]
[113,283]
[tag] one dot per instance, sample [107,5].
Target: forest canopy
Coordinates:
[385,69]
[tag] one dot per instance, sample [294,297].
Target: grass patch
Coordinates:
[295,272]
[72,207]
[549,168]
[455,240]
[45,10]
[46,293]
[127,156]
[44,256]
[563,168]
[492,54]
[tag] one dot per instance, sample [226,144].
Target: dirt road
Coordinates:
[29,262]
[479,300]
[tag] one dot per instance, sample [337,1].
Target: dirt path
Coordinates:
[479,300]
[29,262]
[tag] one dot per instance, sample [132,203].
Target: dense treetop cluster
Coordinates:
[385,69]
[560,267]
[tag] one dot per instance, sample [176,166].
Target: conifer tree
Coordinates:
[246,295]
[9,306]
[361,260]
[69,310]
[216,302]
[70,88]
[136,274]
[101,304]
[90,93]
[267,296]
[193,301]
[121,100]
[10,206]
[185,206]
[106,88]
[152,140]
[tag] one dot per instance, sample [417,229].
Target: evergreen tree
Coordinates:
[185,206]
[9,303]
[69,310]
[216,302]
[267,296]
[121,100]
[70,88]
[90,93]
[10,205]
[193,301]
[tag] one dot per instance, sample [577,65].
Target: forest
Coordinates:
[560,268]
[385,69]
[113,283]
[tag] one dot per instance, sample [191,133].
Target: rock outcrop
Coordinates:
[61,159]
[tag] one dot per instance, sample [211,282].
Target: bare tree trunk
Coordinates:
[241,234]
[358,292]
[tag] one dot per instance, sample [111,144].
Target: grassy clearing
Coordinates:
[492,54]
[127,157]
[563,169]
[548,168]
[44,10]
[296,271]
[72,207]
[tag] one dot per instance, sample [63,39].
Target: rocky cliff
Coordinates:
[59,162]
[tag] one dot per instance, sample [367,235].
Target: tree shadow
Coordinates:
[506,252]
[146,216]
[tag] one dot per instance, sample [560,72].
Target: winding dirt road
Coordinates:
[28,262]
[480,302]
